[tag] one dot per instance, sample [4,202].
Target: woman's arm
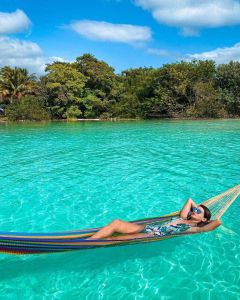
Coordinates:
[187,207]
[211,226]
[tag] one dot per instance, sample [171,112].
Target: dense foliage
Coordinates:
[27,108]
[89,88]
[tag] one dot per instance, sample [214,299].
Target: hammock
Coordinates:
[33,243]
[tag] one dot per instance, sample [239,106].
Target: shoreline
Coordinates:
[120,120]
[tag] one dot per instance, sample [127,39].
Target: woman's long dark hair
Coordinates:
[207,215]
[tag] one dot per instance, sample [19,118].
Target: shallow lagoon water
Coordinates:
[66,176]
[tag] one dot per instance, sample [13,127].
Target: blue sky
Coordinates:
[124,33]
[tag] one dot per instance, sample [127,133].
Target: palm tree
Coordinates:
[15,83]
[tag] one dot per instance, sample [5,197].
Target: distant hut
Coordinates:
[1,111]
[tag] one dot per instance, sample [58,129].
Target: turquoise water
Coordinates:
[65,176]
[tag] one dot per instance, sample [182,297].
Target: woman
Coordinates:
[193,218]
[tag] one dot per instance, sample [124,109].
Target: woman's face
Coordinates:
[197,215]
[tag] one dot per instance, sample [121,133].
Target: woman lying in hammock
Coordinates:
[193,218]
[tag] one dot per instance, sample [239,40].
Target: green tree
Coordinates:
[161,104]
[73,112]
[65,87]
[100,77]
[207,102]
[93,106]
[27,108]
[89,88]
[178,81]
[16,83]
[228,82]
[131,92]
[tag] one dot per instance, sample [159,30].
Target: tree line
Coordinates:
[89,88]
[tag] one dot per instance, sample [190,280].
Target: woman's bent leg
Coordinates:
[117,226]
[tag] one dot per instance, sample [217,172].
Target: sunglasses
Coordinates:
[196,210]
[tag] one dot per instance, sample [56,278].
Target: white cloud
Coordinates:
[220,55]
[20,53]
[14,22]
[15,48]
[104,31]
[14,52]
[192,15]
[161,52]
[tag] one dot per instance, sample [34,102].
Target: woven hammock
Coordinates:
[36,243]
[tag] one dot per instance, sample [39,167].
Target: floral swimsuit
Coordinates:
[160,229]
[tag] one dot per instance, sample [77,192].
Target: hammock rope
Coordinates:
[36,243]
[219,204]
